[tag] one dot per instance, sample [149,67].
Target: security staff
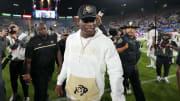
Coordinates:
[130,54]
[164,56]
[40,54]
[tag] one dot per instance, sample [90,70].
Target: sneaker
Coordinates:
[26,99]
[154,67]
[158,79]
[166,80]
[13,97]
[149,66]
[128,91]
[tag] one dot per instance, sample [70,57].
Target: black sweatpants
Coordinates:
[163,61]
[40,82]
[133,76]
[16,70]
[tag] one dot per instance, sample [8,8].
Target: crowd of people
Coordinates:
[83,56]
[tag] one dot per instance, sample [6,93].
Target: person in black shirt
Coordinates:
[62,44]
[178,70]
[2,55]
[40,54]
[164,52]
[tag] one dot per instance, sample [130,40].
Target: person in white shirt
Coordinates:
[88,52]
[17,49]
[150,37]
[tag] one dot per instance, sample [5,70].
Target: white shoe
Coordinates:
[26,99]
[158,79]
[149,66]
[13,97]
[128,91]
[166,80]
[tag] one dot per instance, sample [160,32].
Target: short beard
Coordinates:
[85,35]
[43,36]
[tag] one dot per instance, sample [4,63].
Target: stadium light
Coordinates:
[164,5]
[16,15]
[5,14]
[69,17]
[27,16]
[62,17]
[15,4]
[70,8]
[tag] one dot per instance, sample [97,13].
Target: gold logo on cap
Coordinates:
[130,23]
[87,9]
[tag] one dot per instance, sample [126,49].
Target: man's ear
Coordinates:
[77,21]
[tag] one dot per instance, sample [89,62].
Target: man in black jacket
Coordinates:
[3,45]
[40,54]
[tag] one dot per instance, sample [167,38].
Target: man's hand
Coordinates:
[98,20]
[168,45]
[27,77]
[58,90]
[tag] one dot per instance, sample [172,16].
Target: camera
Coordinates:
[5,62]
[11,30]
[101,12]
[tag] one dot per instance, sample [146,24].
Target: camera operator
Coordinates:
[17,49]
[164,54]
[3,44]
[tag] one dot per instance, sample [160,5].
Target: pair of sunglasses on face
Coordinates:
[88,20]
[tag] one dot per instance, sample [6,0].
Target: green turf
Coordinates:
[153,91]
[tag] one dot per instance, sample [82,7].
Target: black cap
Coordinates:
[130,24]
[87,11]
[152,25]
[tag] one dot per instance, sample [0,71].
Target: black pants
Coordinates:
[133,76]
[163,61]
[16,70]
[2,87]
[126,80]
[40,82]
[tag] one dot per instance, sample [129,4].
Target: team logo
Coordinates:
[130,23]
[120,40]
[80,89]
[87,10]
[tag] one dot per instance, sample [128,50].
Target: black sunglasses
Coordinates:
[88,19]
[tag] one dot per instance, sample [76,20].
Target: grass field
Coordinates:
[153,91]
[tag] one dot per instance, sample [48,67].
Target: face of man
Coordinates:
[87,26]
[130,31]
[42,29]
[4,33]
[165,37]
[119,33]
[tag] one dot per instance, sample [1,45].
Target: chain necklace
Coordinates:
[84,45]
